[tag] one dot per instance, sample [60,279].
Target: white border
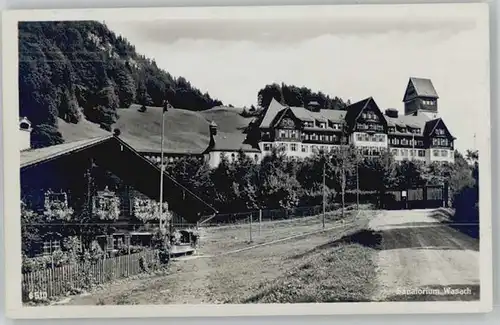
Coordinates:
[11,164]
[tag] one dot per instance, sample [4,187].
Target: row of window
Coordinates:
[294,134]
[442,153]
[289,134]
[322,125]
[402,129]
[440,132]
[372,138]
[406,142]
[295,147]
[420,153]
[408,152]
[372,127]
[429,102]
[369,116]
[440,142]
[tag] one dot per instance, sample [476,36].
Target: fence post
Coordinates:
[251,239]
[260,220]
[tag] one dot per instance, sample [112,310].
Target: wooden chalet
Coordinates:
[100,187]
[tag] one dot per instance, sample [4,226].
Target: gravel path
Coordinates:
[421,259]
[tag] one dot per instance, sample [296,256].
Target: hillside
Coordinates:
[72,69]
[185,130]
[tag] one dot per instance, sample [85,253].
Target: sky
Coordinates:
[352,57]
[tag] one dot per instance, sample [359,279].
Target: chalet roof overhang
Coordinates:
[115,155]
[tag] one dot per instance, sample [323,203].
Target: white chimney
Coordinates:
[24,134]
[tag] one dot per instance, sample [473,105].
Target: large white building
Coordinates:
[418,134]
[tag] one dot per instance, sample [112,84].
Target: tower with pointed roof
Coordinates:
[421,98]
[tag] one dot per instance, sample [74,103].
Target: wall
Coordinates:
[214,157]
[298,153]
[429,155]
[361,143]
[24,139]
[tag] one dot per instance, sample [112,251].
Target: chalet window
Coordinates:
[364,115]
[404,152]
[444,153]
[359,137]
[394,152]
[420,143]
[366,137]
[306,136]
[392,130]
[421,153]
[293,147]
[284,146]
[282,133]
[444,142]
[404,142]
[51,246]
[304,148]
[412,153]
[110,244]
[314,148]
[322,137]
[435,153]
[267,146]
[314,137]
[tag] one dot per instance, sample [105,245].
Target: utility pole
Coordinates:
[324,191]
[162,163]
[357,182]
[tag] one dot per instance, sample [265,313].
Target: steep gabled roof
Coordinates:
[34,156]
[272,110]
[120,158]
[355,109]
[412,121]
[419,87]
[433,124]
[231,142]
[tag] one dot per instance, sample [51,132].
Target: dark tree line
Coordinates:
[298,96]
[75,69]
[280,182]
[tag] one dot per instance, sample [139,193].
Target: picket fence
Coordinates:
[58,281]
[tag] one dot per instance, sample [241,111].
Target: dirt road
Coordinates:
[422,259]
[222,278]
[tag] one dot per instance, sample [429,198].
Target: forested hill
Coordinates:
[292,95]
[73,70]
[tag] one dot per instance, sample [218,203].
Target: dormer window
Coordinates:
[440,132]
[392,130]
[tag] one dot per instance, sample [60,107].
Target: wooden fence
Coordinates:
[58,281]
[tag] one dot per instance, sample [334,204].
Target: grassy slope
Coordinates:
[184,130]
[280,272]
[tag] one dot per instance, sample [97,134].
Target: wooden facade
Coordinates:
[106,170]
